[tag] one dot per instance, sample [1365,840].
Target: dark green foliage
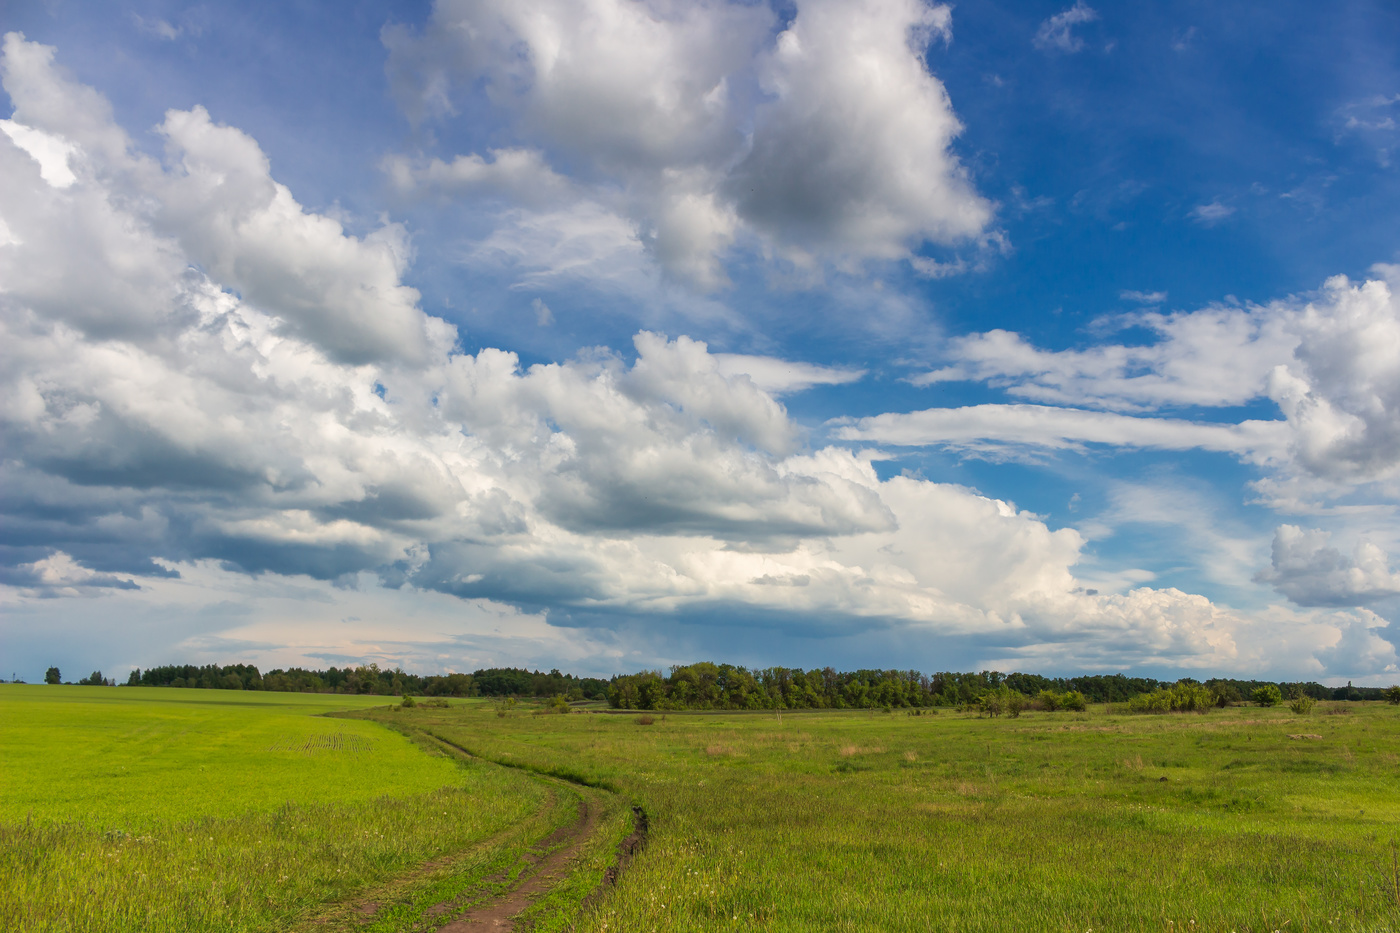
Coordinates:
[369,679]
[96,680]
[52,676]
[1392,694]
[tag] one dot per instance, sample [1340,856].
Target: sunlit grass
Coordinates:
[164,810]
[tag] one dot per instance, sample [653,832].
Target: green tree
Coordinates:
[1392,693]
[1267,695]
[52,676]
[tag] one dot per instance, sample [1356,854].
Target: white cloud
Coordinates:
[853,154]
[212,391]
[782,377]
[698,126]
[1147,298]
[1213,357]
[50,152]
[1208,215]
[1057,32]
[1311,573]
[996,427]
[543,315]
[1331,364]
[1341,389]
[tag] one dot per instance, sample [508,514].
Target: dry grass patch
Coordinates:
[848,750]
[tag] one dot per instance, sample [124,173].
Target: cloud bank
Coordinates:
[199,373]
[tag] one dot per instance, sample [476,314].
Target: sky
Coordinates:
[613,334]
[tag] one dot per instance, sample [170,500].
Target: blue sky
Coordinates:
[613,334]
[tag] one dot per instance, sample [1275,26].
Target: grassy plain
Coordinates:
[166,810]
[866,821]
[1238,820]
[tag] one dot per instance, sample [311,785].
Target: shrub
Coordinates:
[645,720]
[1016,703]
[1049,700]
[408,703]
[560,704]
[1267,695]
[1073,700]
[1302,704]
[1392,693]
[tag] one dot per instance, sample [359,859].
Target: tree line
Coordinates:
[707,685]
[725,686]
[371,679]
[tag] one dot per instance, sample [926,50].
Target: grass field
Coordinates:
[1243,819]
[1074,822]
[201,810]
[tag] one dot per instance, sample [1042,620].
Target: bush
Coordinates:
[1302,704]
[1016,703]
[1073,700]
[408,703]
[1392,693]
[1049,700]
[1267,695]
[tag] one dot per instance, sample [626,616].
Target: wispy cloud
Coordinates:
[1057,32]
[1208,215]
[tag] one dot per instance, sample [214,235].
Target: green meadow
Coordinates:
[332,813]
[876,821]
[199,810]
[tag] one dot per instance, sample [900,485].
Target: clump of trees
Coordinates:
[1184,696]
[1069,700]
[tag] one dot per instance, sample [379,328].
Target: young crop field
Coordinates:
[1242,819]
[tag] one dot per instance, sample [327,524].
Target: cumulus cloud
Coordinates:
[696,125]
[1057,32]
[1213,357]
[1310,572]
[235,388]
[1330,362]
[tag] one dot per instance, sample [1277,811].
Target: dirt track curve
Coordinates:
[547,862]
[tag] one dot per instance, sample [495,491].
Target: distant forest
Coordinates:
[369,679]
[708,686]
[724,686]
